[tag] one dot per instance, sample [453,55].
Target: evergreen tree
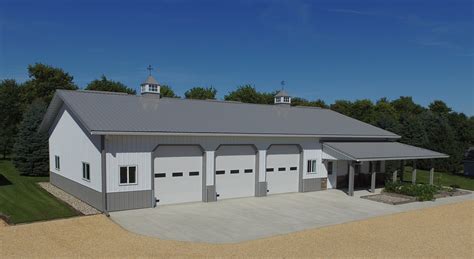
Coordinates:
[10,115]
[109,85]
[31,147]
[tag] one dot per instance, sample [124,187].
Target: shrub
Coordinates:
[423,192]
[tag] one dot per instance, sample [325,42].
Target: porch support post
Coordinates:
[402,169]
[432,173]
[413,173]
[394,176]
[351,179]
[372,183]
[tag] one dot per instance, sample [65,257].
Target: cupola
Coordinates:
[282,98]
[150,87]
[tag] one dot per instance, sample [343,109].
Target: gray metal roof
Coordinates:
[113,113]
[373,151]
[150,80]
[282,93]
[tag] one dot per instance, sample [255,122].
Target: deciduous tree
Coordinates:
[44,80]
[104,84]
[202,93]
[167,91]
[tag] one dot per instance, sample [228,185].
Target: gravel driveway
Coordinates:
[442,231]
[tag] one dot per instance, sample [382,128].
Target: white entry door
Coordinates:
[178,174]
[283,165]
[331,168]
[235,172]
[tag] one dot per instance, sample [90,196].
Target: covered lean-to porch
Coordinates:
[364,161]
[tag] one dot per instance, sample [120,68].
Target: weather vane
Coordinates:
[282,84]
[149,68]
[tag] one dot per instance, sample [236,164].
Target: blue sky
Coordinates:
[322,49]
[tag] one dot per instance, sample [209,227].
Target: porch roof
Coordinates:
[377,151]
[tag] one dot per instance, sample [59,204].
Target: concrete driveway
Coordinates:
[237,220]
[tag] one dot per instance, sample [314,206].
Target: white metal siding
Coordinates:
[74,146]
[283,156]
[178,159]
[136,150]
[123,151]
[241,184]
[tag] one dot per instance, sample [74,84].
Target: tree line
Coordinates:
[23,105]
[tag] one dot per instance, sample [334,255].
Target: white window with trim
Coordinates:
[128,175]
[57,163]
[86,171]
[311,166]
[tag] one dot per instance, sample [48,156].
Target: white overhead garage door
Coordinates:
[235,171]
[283,164]
[178,174]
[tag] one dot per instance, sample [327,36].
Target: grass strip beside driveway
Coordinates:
[444,179]
[22,200]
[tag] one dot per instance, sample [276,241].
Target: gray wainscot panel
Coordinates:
[129,200]
[311,185]
[83,193]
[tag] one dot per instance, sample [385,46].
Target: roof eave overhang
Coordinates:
[362,159]
[147,133]
[50,116]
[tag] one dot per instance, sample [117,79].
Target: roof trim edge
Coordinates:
[160,133]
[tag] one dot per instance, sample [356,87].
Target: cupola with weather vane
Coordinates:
[282,97]
[150,87]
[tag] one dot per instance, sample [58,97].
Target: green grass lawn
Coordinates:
[445,179]
[22,200]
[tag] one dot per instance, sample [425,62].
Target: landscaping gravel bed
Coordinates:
[77,204]
[395,198]
[390,198]
[445,194]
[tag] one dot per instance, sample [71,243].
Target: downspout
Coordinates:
[104,175]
